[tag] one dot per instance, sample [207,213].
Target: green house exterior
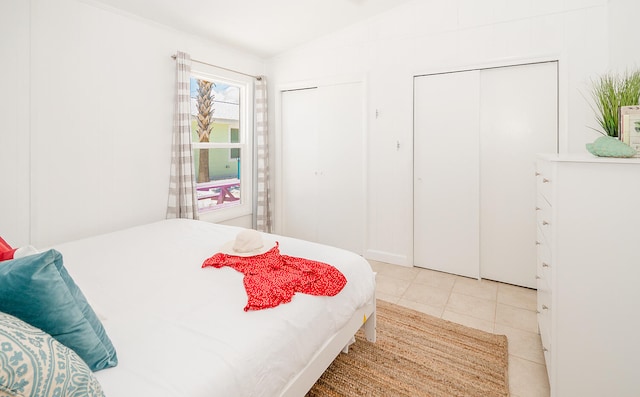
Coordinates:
[223,163]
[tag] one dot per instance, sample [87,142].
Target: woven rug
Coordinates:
[418,355]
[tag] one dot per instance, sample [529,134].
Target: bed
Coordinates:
[180,330]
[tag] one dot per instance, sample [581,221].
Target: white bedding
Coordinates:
[180,330]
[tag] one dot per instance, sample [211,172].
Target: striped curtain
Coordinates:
[182,202]
[262,211]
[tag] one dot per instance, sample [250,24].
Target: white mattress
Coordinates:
[180,330]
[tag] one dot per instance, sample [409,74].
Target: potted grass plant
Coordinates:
[611,91]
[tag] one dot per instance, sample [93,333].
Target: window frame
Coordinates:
[245,135]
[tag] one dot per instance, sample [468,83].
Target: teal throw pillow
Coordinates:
[38,290]
[34,364]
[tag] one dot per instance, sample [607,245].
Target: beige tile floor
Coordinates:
[487,305]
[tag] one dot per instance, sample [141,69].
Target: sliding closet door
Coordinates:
[476,136]
[446,176]
[323,165]
[519,119]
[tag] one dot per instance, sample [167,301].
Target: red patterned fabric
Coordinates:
[6,252]
[271,279]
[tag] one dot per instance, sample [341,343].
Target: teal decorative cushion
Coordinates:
[38,290]
[34,364]
[606,146]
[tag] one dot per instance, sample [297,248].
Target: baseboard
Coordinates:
[387,257]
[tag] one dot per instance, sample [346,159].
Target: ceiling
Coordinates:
[264,28]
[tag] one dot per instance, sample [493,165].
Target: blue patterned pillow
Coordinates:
[33,364]
[38,290]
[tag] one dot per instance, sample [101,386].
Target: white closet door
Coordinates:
[519,118]
[323,166]
[341,177]
[300,163]
[446,177]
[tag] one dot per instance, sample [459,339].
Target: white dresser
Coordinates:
[588,274]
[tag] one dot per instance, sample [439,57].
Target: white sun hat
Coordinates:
[247,243]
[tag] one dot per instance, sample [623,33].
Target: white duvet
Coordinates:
[180,330]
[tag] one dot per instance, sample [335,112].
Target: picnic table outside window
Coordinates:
[218,190]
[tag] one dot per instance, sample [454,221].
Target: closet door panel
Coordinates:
[341,176]
[518,119]
[323,165]
[300,163]
[446,178]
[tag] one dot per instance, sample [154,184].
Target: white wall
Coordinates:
[623,25]
[101,104]
[425,36]
[14,113]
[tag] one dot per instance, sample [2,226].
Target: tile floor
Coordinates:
[487,305]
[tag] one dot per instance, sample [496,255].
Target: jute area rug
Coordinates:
[418,355]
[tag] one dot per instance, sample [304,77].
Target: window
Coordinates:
[234,138]
[220,132]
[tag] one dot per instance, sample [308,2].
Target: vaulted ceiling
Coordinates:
[262,27]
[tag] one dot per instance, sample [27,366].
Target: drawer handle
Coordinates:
[538,208]
[545,180]
[544,349]
[545,307]
[538,174]
[545,223]
[538,243]
[538,277]
[544,264]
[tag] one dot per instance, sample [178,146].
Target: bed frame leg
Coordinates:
[345,349]
[370,328]
[370,323]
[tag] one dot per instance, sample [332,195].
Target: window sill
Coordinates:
[221,215]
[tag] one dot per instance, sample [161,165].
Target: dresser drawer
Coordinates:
[544,312]
[548,362]
[544,326]
[544,259]
[544,180]
[544,217]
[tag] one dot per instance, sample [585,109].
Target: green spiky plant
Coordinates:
[610,92]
